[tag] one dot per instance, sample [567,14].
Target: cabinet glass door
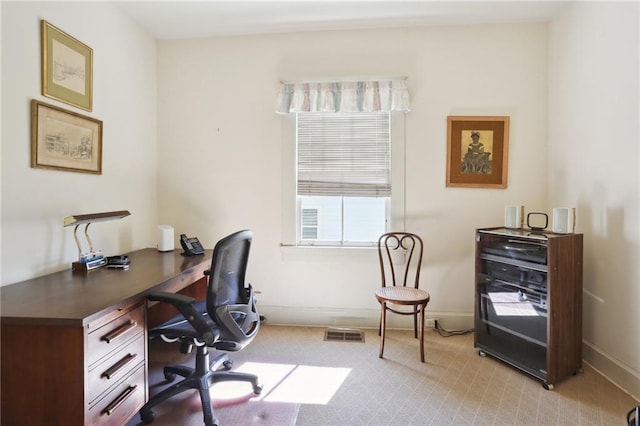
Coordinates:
[511,323]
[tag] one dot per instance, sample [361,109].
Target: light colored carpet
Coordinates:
[309,381]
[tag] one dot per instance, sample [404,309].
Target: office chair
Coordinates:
[633,416]
[400,256]
[227,320]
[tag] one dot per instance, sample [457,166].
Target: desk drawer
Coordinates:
[121,403]
[116,366]
[111,336]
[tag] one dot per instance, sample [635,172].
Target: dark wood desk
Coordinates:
[74,345]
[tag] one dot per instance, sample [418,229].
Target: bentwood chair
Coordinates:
[227,321]
[400,256]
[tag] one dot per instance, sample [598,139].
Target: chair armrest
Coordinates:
[184,305]
[173,298]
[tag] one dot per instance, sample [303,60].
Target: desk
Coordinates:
[74,345]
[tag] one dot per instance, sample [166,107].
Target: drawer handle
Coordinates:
[120,331]
[118,366]
[111,408]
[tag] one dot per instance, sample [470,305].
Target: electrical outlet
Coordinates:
[430,323]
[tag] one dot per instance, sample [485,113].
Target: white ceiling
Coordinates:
[166,20]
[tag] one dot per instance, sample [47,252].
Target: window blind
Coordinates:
[344,154]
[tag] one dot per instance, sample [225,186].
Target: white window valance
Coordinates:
[344,96]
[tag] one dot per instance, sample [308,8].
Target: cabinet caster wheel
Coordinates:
[547,386]
[227,364]
[147,417]
[482,354]
[257,389]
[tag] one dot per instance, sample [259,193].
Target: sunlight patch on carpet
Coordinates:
[310,385]
[302,384]
[270,376]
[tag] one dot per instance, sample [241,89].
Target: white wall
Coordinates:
[594,128]
[35,201]
[220,152]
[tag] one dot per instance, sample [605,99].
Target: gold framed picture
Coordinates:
[477,151]
[67,68]
[65,140]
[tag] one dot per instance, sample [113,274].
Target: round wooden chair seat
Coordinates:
[402,295]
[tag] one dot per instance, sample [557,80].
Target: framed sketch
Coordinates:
[67,68]
[65,140]
[477,151]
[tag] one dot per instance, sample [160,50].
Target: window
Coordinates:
[343,177]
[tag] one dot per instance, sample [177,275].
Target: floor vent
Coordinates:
[343,335]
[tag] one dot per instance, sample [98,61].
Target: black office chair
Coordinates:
[227,320]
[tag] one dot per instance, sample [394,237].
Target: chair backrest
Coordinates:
[400,255]
[230,303]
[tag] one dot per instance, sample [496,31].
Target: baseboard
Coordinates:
[618,373]
[359,318]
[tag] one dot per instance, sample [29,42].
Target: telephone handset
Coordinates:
[191,246]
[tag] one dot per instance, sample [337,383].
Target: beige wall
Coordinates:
[216,118]
[35,201]
[594,145]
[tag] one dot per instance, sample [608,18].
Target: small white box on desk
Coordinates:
[165,238]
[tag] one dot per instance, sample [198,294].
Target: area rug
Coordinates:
[234,403]
[185,410]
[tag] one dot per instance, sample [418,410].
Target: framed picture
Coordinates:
[65,140]
[477,151]
[67,68]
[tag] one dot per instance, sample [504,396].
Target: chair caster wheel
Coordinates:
[147,417]
[257,389]
[169,377]
[228,364]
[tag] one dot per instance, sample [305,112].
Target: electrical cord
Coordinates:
[448,333]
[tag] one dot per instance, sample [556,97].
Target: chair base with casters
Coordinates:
[205,374]
[418,299]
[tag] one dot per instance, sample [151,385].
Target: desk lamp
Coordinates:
[92,259]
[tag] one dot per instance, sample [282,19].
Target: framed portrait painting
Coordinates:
[65,140]
[477,151]
[67,68]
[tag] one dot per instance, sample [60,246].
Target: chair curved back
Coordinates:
[231,303]
[400,255]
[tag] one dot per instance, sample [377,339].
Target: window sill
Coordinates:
[350,253]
